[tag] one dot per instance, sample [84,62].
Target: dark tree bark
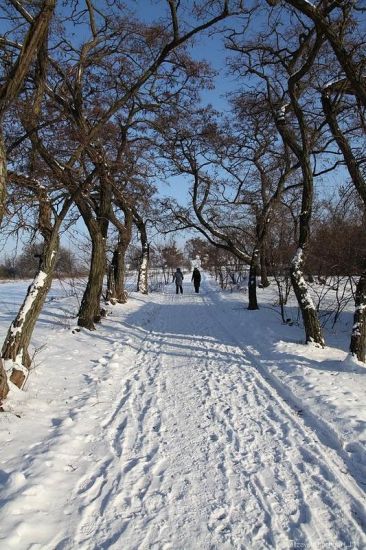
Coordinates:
[120,272]
[90,309]
[4,386]
[111,283]
[143,274]
[116,274]
[252,283]
[97,221]
[263,264]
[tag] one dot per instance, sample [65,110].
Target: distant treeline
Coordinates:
[26,264]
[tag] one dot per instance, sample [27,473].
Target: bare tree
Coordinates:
[12,80]
[280,65]
[331,100]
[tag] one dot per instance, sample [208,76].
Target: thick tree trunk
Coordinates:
[97,221]
[252,283]
[90,310]
[313,332]
[20,332]
[263,263]
[116,276]
[358,338]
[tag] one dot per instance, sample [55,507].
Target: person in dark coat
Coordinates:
[178,278]
[196,278]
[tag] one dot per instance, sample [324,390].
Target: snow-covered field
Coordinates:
[184,422]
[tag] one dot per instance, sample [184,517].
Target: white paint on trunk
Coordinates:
[36,286]
[306,299]
[143,277]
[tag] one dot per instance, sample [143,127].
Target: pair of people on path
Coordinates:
[178,279]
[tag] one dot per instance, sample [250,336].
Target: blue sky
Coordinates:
[209,48]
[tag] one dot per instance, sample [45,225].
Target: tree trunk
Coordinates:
[116,278]
[309,314]
[358,338]
[90,310]
[3,176]
[252,283]
[20,332]
[4,387]
[263,262]
[120,272]
[143,286]
[97,220]
[116,275]
[142,279]
[111,284]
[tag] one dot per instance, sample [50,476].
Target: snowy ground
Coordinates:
[184,422]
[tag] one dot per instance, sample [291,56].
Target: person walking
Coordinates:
[196,278]
[178,278]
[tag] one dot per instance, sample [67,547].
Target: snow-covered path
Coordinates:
[188,446]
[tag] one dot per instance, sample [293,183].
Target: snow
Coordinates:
[36,285]
[282,111]
[184,422]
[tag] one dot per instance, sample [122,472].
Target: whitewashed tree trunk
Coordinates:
[21,329]
[144,271]
[312,328]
